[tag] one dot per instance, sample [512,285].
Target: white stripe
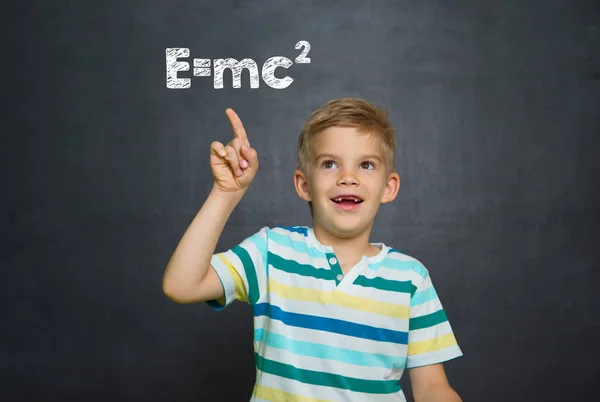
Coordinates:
[426,334]
[380,295]
[425,308]
[300,281]
[395,275]
[404,257]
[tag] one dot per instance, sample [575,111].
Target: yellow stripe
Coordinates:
[275,395]
[339,298]
[240,288]
[442,342]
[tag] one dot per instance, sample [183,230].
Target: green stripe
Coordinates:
[414,290]
[250,271]
[386,284]
[326,379]
[293,267]
[428,320]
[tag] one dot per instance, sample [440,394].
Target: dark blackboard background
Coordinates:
[497,109]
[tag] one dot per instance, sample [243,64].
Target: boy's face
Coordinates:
[346,181]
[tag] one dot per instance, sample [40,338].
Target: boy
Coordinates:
[336,318]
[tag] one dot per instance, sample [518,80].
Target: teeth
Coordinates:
[351,199]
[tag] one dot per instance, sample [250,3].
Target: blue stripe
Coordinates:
[284,241]
[261,245]
[298,229]
[331,325]
[423,296]
[328,352]
[416,266]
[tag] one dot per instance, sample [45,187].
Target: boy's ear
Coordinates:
[391,188]
[301,184]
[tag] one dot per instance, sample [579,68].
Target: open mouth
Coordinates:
[347,200]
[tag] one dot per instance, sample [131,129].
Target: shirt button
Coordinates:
[340,277]
[332,261]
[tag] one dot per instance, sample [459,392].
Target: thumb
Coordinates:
[251,156]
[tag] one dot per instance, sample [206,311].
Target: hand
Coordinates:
[235,164]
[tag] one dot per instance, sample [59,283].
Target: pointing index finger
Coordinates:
[236,125]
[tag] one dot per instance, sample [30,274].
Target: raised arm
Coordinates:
[188,276]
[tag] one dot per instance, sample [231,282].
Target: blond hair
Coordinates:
[348,112]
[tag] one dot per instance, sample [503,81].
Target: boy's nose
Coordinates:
[347,178]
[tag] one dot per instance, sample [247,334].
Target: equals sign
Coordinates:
[202,67]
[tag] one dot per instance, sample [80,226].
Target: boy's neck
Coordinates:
[348,248]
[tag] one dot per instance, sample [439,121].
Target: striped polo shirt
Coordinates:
[320,335]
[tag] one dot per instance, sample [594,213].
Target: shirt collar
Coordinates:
[314,242]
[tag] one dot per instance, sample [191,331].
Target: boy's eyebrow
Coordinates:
[367,156]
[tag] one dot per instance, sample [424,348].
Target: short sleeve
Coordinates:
[430,337]
[241,271]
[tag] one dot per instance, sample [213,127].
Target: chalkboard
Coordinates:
[105,148]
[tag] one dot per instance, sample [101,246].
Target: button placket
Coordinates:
[335,268]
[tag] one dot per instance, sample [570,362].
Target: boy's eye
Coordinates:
[329,163]
[366,165]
